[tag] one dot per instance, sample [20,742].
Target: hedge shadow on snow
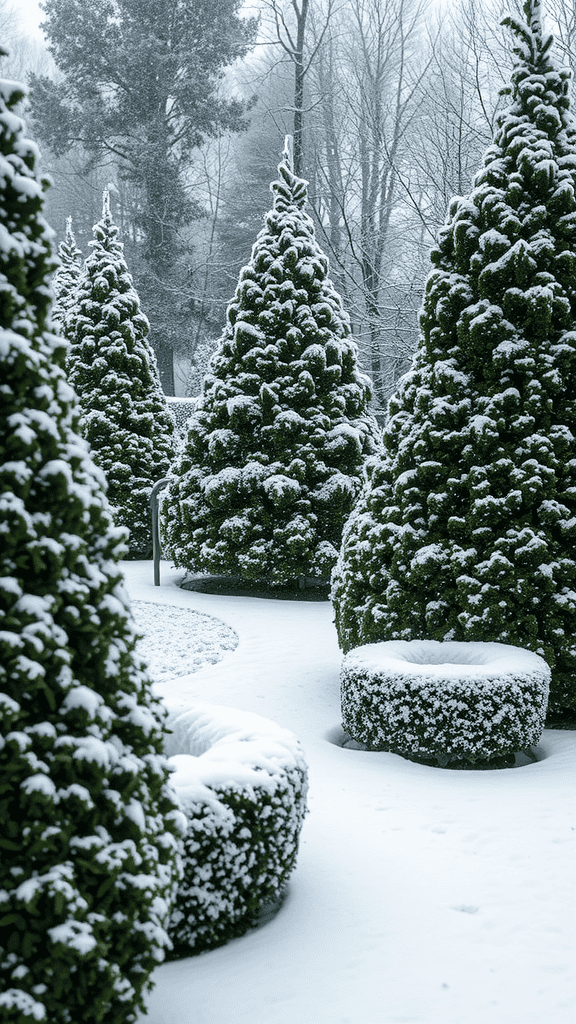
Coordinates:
[233,586]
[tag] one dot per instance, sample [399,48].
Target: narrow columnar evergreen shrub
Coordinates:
[467,529]
[275,452]
[113,369]
[90,827]
[242,782]
[66,279]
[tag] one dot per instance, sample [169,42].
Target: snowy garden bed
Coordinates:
[177,641]
[242,783]
[453,703]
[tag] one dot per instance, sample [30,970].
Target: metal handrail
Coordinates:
[156,549]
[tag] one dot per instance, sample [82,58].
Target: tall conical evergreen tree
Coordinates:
[467,530]
[113,369]
[66,278]
[274,456]
[89,827]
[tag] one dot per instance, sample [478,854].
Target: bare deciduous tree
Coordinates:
[290,29]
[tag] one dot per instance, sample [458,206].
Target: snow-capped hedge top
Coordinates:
[242,781]
[275,452]
[468,529]
[230,749]
[474,662]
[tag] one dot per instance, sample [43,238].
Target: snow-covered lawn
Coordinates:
[420,896]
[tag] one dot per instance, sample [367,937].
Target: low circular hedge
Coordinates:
[242,782]
[445,702]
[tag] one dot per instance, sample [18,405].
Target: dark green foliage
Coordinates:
[89,827]
[238,853]
[113,370]
[66,278]
[275,453]
[467,530]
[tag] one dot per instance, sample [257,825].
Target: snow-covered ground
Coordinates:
[420,896]
[180,641]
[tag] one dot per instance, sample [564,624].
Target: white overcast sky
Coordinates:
[30,12]
[32,15]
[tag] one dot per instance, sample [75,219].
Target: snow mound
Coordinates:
[450,657]
[242,783]
[211,746]
[456,702]
[178,641]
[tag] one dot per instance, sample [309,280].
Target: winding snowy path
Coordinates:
[420,896]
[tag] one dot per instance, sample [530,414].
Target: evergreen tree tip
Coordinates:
[106,212]
[288,152]
[289,189]
[531,44]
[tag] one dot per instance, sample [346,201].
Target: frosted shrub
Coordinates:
[113,368]
[90,827]
[242,782]
[274,456]
[181,410]
[455,703]
[467,529]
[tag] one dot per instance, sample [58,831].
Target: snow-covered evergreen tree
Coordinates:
[89,827]
[467,530]
[275,452]
[113,369]
[66,278]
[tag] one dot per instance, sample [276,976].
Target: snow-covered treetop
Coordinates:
[70,263]
[106,282]
[66,277]
[288,190]
[530,45]
[68,250]
[114,371]
[106,230]
[69,241]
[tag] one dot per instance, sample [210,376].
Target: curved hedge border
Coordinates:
[242,783]
[463,703]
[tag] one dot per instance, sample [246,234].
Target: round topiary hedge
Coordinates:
[445,702]
[242,783]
